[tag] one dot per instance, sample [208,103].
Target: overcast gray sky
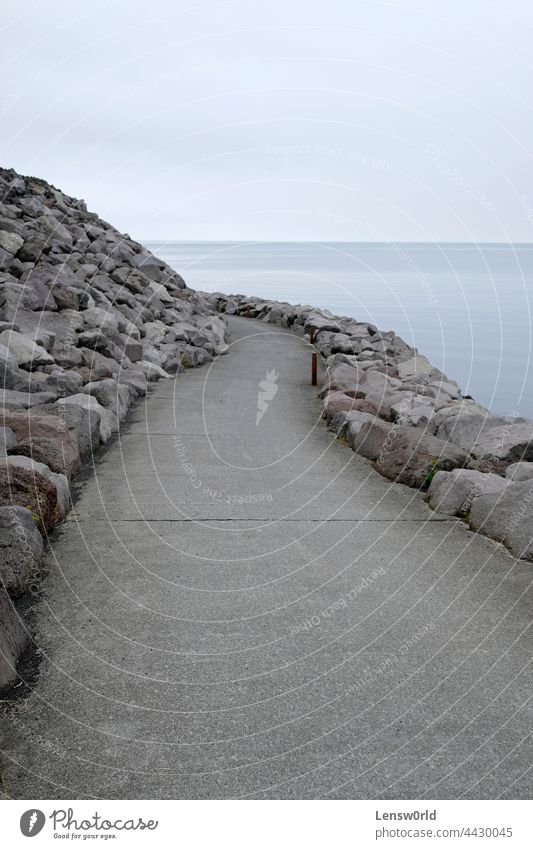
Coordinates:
[349,120]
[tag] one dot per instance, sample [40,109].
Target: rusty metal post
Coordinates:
[314,368]
[248,311]
[312,335]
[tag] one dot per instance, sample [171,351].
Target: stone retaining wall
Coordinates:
[88,319]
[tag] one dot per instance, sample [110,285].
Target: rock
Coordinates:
[30,489]
[14,639]
[406,455]
[46,432]
[519,472]
[489,437]
[159,291]
[347,425]
[37,294]
[453,492]
[106,421]
[319,322]
[8,440]
[507,517]
[336,402]
[415,365]
[408,408]
[100,319]
[343,378]
[194,357]
[10,399]
[10,242]
[58,480]
[152,371]
[7,362]
[25,352]
[155,331]
[133,350]
[109,394]
[21,549]
[54,231]
[47,451]
[63,382]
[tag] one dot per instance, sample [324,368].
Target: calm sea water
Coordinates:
[466,307]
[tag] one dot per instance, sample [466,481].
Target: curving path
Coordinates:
[239,609]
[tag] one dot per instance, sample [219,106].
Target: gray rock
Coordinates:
[10,399]
[410,408]
[105,419]
[54,231]
[507,517]
[415,365]
[109,394]
[63,382]
[519,472]
[10,241]
[343,378]
[133,350]
[160,292]
[489,437]
[21,549]
[8,440]
[26,352]
[78,421]
[14,638]
[453,492]
[347,425]
[405,454]
[151,370]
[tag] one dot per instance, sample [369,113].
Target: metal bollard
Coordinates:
[314,368]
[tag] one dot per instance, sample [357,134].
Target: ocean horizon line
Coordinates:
[330,242]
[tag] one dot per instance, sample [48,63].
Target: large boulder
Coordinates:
[14,639]
[453,492]
[406,455]
[415,365]
[21,549]
[10,242]
[50,434]
[10,399]
[507,517]
[30,489]
[519,472]
[58,480]
[26,352]
[410,408]
[347,425]
[321,321]
[343,378]
[108,393]
[97,417]
[489,438]
[336,402]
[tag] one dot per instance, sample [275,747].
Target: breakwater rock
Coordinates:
[412,422]
[88,318]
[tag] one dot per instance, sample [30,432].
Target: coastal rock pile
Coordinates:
[412,422]
[88,318]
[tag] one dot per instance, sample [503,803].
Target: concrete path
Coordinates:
[249,610]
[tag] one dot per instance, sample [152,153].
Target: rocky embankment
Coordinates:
[88,319]
[413,423]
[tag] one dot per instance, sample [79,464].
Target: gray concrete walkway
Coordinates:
[249,610]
